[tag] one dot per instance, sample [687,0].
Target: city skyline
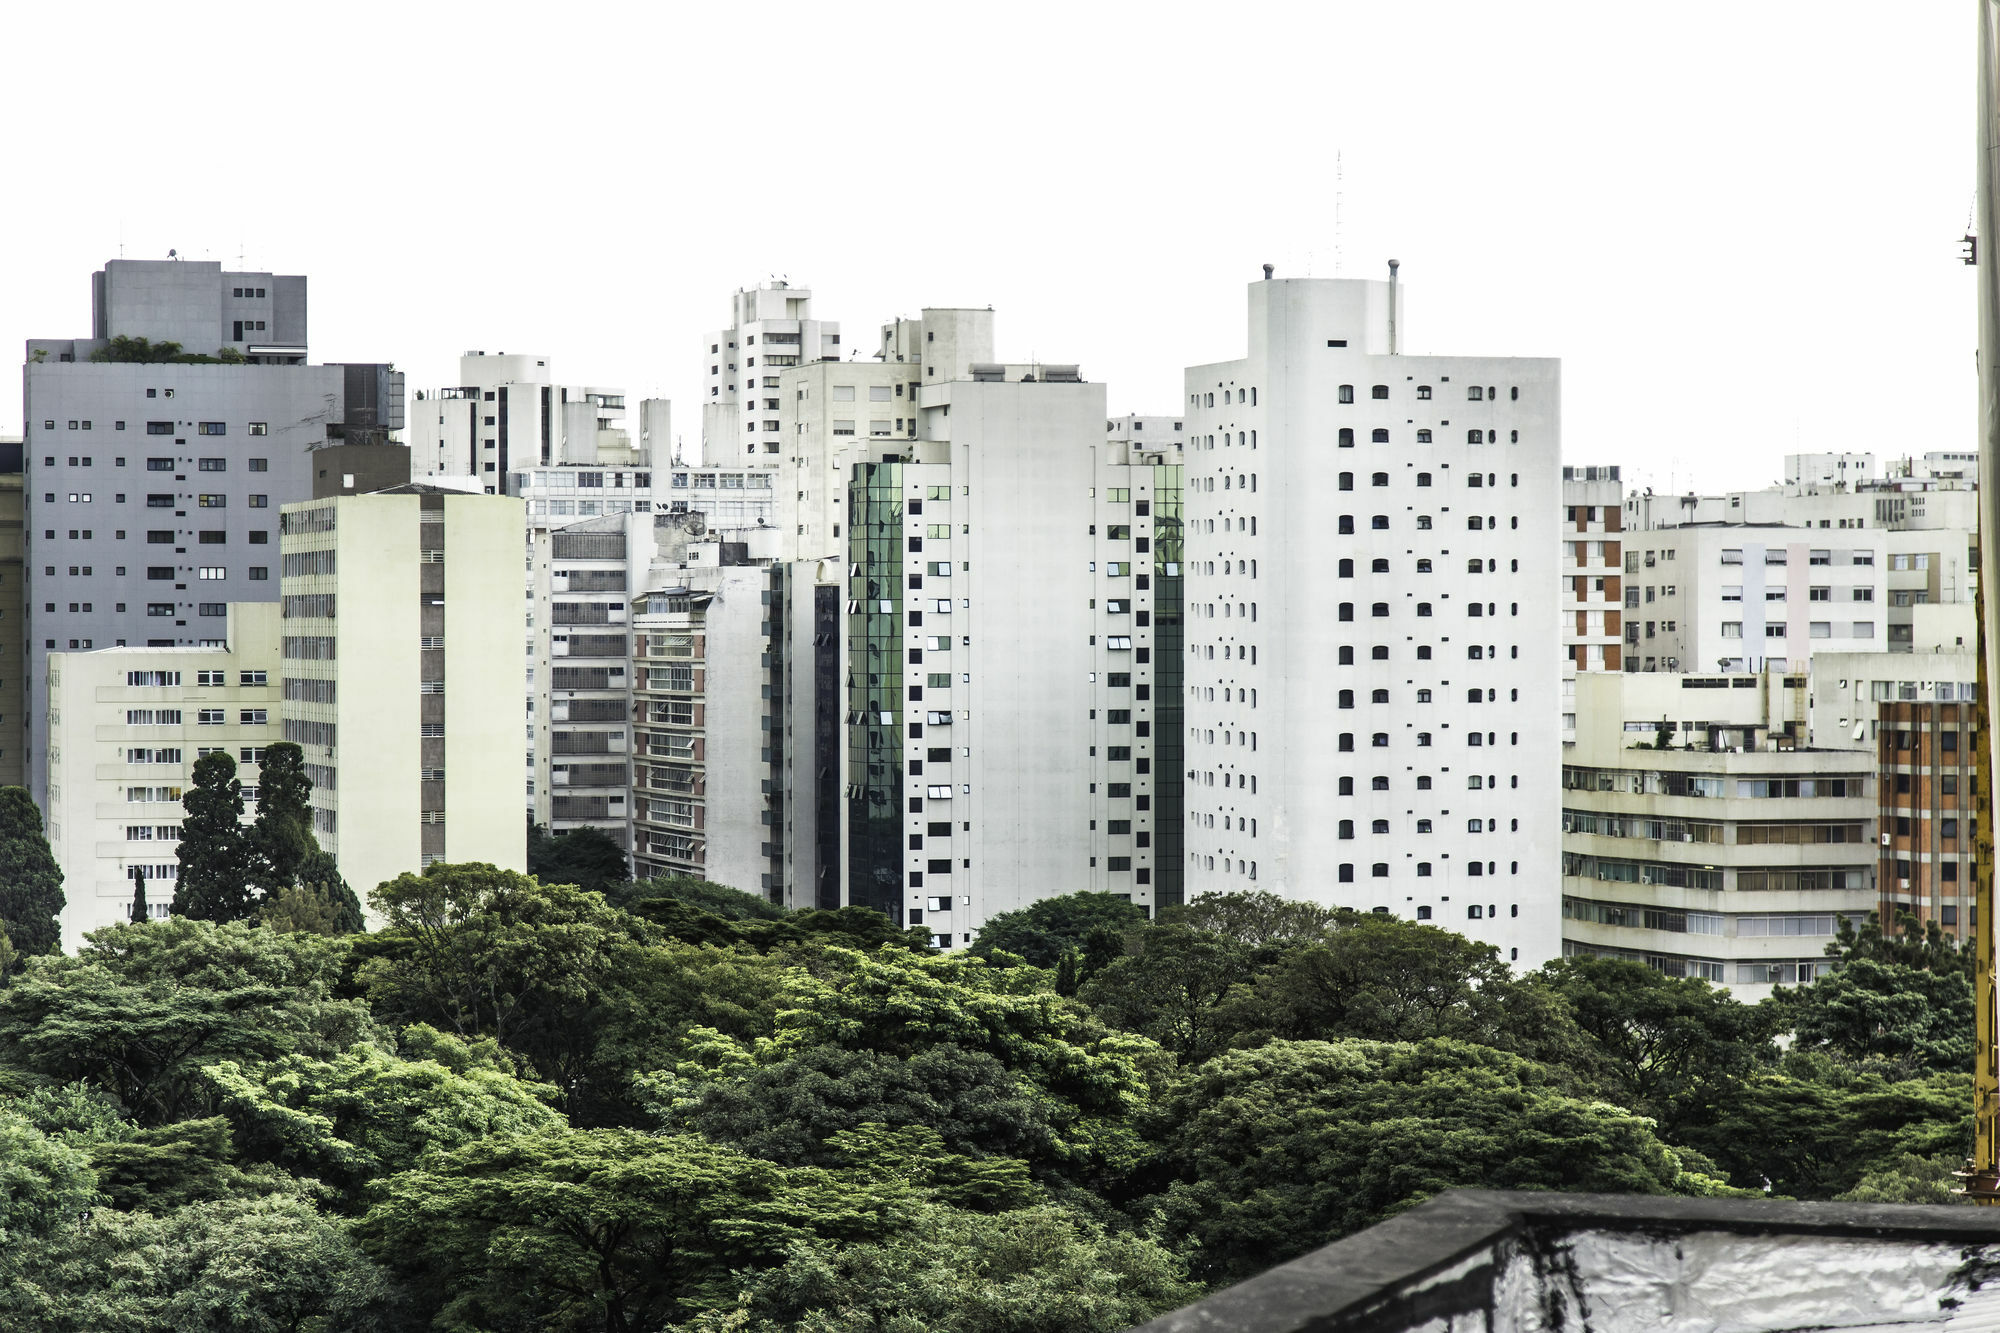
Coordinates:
[1607,210]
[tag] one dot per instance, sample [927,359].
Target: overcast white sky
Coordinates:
[1736,223]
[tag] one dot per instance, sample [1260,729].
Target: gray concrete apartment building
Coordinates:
[153,488]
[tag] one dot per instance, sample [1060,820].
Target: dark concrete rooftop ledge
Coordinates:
[1492,1261]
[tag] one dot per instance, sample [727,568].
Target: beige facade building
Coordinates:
[126,726]
[1729,855]
[402,612]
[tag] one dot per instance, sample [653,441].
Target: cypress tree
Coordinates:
[215,851]
[318,871]
[282,837]
[139,914]
[1066,969]
[31,896]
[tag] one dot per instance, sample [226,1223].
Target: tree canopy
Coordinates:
[31,893]
[218,859]
[523,1104]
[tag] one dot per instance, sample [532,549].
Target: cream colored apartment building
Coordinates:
[402,619]
[126,726]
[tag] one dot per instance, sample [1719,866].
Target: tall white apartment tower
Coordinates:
[1372,655]
[771,329]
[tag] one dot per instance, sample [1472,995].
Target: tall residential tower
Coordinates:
[1371,647]
[153,486]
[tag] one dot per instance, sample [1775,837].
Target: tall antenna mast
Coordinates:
[1337,183]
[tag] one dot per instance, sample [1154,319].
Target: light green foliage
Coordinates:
[190,1161]
[1281,1149]
[1036,1270]
[268,1265]
[602,1229]
[1910,1179]
[366,1113]
[44,1182]
[304,908]
[140,1009]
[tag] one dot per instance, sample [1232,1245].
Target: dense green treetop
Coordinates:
[1042,932]
[141,1008]
[281,838]
[1033,1270]
[218,859]
[1276,1151]
[587,857]
[1913,1020]
[31,893]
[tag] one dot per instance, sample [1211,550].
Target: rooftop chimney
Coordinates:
[1393,266]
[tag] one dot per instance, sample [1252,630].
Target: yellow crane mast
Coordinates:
[1982,1179]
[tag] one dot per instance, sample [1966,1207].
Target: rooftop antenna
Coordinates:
[1337,183]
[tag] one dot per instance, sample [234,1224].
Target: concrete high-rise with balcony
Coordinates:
[153,488]
[1593,500]
[579,723]
[401,609]
[771,330]
[1914,712]
[126,726]
[715,718]
[1729,855]
[1372,645]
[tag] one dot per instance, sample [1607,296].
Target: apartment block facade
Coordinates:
[579,725]
[398,611]
[771,329]
[1371,647]
[1593,500]
[1731,854]
[126,727]
[152,488]
[1737,597]
[1014,611]
[507,416]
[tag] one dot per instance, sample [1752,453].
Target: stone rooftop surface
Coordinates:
[1490,1261]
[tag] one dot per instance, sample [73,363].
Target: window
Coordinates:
[1347,393]
[259,428]
[212,501]
[214,428]
[159,428]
